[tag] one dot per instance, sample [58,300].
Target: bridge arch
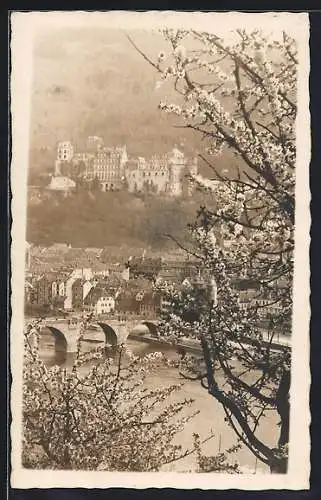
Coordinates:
[53,344]
[152,327]
[110,334]
[60,339]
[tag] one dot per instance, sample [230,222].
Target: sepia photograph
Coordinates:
[160,250]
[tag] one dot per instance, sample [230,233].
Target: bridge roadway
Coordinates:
[113,332]
[64,333]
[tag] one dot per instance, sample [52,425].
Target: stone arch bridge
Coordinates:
[62,334]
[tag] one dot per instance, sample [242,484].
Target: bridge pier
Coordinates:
[65,340]
[72,343]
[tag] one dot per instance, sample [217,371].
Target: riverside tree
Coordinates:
[99,414]
[239,96]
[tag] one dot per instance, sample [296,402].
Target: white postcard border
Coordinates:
[24,26]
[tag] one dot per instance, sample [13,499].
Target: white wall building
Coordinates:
[105,305]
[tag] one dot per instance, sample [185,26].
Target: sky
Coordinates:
[87,79]
[93,82]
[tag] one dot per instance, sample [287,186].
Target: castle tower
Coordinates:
[176,165]
[65,151]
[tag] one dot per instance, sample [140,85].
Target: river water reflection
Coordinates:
[210,418]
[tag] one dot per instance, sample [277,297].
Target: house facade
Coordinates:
[99,301]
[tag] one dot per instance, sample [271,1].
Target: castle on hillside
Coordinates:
[114,170]
[160,174]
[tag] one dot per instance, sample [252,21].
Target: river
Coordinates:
[210,417]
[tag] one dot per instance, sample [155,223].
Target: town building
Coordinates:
[126,304]
[146,267]
[98,301]
[86,287]
[28,292]
[68,293]
[245,284]
[82,273]
[41,292]
[77,294]
[105,305]
[177,271]
[149,304]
